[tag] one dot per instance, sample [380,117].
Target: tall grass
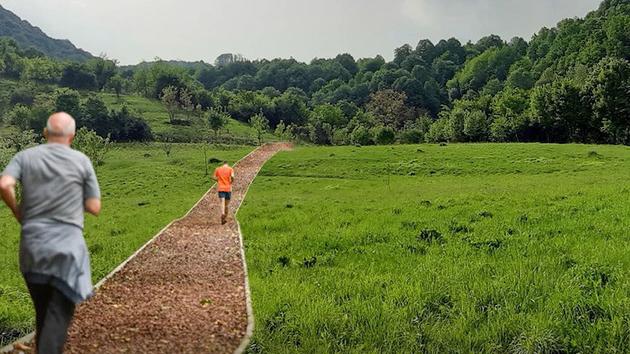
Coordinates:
[464,248]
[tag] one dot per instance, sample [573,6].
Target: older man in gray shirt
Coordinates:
[58,185]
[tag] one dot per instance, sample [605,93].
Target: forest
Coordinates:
[570,83]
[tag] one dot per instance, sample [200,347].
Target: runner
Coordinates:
[59,184]
[224,176]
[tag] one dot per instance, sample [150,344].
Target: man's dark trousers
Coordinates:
[53,313]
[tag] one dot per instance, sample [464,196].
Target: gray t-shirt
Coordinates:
[56,181]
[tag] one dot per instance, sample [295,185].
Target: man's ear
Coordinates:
[71,139]
[46,133]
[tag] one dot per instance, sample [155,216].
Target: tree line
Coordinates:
[570,83]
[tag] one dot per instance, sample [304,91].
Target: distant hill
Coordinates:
[29,36]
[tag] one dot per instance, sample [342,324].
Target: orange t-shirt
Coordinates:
[224,175]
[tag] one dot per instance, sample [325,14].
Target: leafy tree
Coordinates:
[20,140]
[103,69]
[440,131]
[389,108]
[69,101]
[96,116]
[127,126]
[186,101]
[41,69]
[116,84]
[78,76]
[329,114]
[320,132]
[170,102]
[19,116]
[92,145]
[216,120]
[609,88]
[476,126]
[260,123]
[340,136]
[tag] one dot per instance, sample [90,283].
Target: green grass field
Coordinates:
[513,248]
[142,189]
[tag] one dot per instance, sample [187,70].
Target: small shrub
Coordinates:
[430,236]
[458,228]
[284,261]
[594,154]
[409,225]
[485,214]
[425,203]
[309,262]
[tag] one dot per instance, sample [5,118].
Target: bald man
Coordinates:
[58,186]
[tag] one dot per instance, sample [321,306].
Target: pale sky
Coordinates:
[136,30]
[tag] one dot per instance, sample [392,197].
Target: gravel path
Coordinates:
[183,293]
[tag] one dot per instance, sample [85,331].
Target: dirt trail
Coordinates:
[184,292]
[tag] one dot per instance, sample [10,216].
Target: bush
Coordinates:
[92,145]
[340,136]
[384,135]
[361,136]
[440,131]
[411,136]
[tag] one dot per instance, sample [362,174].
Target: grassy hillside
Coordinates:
[143,190]
[157,117]
[463,248]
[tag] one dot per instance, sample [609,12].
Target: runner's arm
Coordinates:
[93,206]
[7,191]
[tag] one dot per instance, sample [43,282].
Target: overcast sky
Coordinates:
[136,30]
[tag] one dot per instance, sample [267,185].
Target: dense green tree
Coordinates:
[103,70]
[389,108]
[96,116]
[69,101]
[609,95]
[41,69]
[79,77]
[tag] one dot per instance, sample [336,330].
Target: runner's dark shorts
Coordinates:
[225,195]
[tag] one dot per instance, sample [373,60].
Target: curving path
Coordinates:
[184,292]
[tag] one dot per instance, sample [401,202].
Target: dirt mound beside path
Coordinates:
[185,292]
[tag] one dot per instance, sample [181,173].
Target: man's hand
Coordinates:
[7,192]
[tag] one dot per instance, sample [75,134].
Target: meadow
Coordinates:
[142,189]
[154,113]
[487,248]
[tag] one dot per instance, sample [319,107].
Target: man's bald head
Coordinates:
[61,124]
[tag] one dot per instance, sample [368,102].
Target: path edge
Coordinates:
[248,295]
[250,318]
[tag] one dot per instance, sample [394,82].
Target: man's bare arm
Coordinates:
[7,191]
[93,206]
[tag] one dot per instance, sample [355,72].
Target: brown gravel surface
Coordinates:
[184,292]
